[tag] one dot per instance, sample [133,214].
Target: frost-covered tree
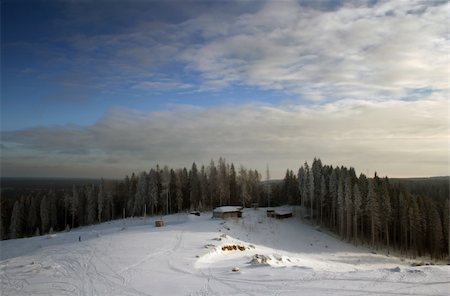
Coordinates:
[243,185]
[165,185]
[15,227]
[301,176]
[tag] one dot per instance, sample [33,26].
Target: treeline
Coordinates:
[373,210]
[158,191]
[361,210]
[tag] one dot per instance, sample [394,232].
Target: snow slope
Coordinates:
[186,257]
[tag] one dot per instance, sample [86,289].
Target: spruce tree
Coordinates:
[373,210]
[73,205]
[356,210]
[91,205]
[45,214]
[101,200]
[15,230]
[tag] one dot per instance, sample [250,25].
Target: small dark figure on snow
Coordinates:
[79,238]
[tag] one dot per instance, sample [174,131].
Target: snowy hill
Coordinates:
[194,255]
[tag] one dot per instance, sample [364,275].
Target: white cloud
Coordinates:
[375,52]
[398,138]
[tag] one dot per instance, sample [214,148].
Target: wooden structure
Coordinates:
[282,213]
[159,223]
[227,212]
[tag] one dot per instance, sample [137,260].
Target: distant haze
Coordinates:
[362,84]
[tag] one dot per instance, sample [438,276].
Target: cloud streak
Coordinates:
[398,138]
[359,50]
[377,52]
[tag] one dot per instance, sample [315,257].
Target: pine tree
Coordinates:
[311,192]
[15,227]
[45,214]
[66,208]
[153,190]
[301,184]
[234,199]
[373,210]
[348,206]
[223,183]
[73,206]
[436,233]
[179,194]
[204,188]
[333,189]
[323,195]
[341,205]
[385,209]
[212,172]
[244,186]
[194,187]
[101,200]
[32,219]
[141,195]
[53,213]
[356,210]
[91,205]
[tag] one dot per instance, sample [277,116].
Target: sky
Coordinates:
[106,88]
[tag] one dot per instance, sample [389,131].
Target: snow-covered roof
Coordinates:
[225,209]
[283,212]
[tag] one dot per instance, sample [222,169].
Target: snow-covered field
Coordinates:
[132,257]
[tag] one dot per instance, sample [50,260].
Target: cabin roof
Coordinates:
[226,209]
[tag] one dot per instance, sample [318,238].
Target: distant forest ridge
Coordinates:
[34,183]
[410,215]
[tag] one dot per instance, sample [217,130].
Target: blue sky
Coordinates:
[103,88]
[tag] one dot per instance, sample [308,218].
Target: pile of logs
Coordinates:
[233,248]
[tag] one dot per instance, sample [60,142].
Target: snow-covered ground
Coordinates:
[186,257]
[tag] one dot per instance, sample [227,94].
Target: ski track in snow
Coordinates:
[132,257]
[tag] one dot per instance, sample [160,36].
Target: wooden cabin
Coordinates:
[282,214]
[227,212]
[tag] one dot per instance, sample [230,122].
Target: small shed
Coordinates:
[227,212]
[159,223]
